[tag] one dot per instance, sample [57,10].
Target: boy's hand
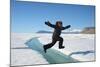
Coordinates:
[47,22]
[68,26]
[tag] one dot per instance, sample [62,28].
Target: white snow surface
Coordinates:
[72,43]
[24,56]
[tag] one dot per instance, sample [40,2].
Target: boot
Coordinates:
[61,47]
[44,48]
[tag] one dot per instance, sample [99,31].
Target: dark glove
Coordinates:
[47,22]
[68,26]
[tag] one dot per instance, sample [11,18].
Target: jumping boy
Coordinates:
[56,34]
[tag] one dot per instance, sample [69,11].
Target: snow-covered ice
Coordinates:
[23,57]
[74,43]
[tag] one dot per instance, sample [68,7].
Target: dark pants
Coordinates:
[54,40]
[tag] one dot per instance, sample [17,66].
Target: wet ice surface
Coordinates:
[73,43]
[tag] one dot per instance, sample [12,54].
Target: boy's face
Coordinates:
[59,24]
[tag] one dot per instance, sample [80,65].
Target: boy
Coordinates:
[56,34]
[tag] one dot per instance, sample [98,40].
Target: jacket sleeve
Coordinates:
[49,24]
[66,27]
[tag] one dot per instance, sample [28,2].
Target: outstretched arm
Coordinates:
[66,27]
[49,24]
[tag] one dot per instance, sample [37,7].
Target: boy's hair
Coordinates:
[58,22]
